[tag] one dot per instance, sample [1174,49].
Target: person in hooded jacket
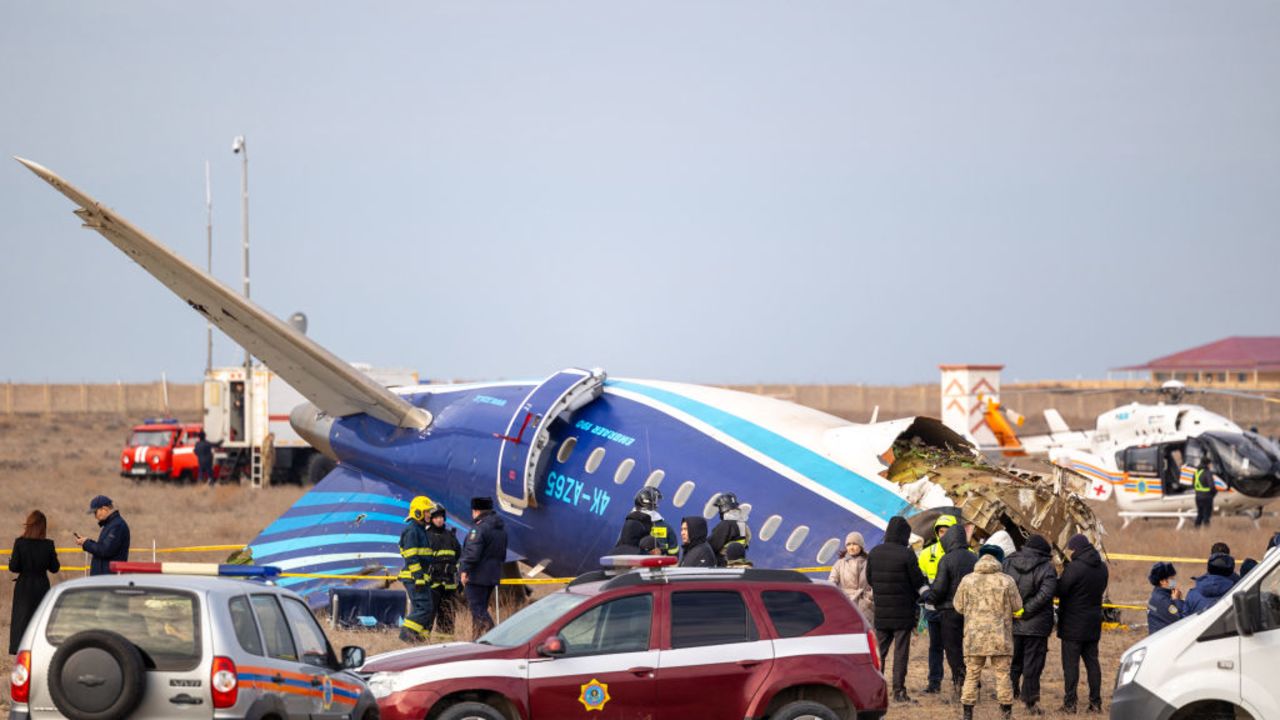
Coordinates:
[896,586]
[955,565]
[693,536]
[1166,606]
[1032,571]
[635,527]
[1212,585]
[850,574]
[1080,591]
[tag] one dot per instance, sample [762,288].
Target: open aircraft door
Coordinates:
[523,457]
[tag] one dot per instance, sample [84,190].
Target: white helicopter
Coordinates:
[1145,455]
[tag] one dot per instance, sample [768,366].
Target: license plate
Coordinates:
[138,471]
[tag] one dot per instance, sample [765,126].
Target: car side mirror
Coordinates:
[352,657]
[1246,620]
[552,647]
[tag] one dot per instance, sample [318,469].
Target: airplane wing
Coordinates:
[323,378]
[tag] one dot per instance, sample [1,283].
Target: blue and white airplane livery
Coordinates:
[563,456]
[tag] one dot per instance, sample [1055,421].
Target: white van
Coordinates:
[1222,664]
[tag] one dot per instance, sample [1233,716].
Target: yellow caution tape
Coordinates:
[1153,558]
[140,550]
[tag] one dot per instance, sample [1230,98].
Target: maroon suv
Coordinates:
[714,644]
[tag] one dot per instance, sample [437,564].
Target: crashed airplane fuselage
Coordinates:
[563,456]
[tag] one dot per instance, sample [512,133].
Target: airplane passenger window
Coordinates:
[624,470]
[797,538]
[828,550]
[709,510]
[770,527]
[566,449]
[654,479]
[682,494]
[594,459]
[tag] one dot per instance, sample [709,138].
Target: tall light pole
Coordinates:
[238,147]
[208,240]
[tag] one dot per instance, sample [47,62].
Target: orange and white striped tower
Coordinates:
[965,389]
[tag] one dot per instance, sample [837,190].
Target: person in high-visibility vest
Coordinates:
[1205,490]
[928,561]
[415,548]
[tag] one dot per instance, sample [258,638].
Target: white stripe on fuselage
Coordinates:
[744,449]
[335,557]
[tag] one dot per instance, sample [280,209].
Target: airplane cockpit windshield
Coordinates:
[1249,462]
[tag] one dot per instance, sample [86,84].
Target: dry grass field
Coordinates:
[57,463]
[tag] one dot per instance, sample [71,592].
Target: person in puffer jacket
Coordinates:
[696,551]
[896,586]
[1213,585]
[955,565]
[850,573]
[1032,571]
[635,527]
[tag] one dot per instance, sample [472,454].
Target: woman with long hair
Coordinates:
[33,558]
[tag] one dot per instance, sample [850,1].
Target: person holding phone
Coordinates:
[33,559]
[113,539]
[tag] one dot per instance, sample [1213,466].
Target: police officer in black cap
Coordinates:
[732,528]
[1166,605]
[481,565]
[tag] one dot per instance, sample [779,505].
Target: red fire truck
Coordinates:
[161,449]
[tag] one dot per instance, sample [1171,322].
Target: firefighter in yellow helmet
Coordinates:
[415,548]
[929,559]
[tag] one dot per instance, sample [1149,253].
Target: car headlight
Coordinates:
[1129,665]
[381,685]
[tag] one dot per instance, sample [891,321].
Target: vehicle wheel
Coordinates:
[471,711]
[371,714]
[804,710]
[317,467]
[97,675]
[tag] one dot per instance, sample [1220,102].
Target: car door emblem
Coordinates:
[594,695]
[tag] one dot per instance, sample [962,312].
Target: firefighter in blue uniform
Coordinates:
[443,570]
[480,568]
[1205,490]
[415,548]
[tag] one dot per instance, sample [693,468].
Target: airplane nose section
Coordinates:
[314,426]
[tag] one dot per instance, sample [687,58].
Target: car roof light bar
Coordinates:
[207,569]
[619,562]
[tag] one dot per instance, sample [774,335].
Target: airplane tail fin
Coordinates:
[323,378]
[349,524]
[1056,424]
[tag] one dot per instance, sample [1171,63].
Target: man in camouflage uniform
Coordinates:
[988,600]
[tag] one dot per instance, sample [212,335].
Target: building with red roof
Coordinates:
[1249,360]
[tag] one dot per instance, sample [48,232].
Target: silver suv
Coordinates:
[173,646]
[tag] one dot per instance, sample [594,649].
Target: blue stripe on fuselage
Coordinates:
[876,499]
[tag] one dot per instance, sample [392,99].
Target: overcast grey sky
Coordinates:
[703,191]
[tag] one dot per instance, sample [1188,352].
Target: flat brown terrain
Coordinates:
[57,463]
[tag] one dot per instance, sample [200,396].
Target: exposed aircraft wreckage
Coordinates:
[1020,502]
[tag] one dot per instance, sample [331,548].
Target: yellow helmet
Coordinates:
[419,508]
[944,521]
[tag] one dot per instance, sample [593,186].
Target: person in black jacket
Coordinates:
[954,566]
[1032,571]
[33,559]
[635,527]
[1080,591]
[443,570]
[896,586]
[697,551]
[113,539]
[481,564]
[731,530]
[204,459]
